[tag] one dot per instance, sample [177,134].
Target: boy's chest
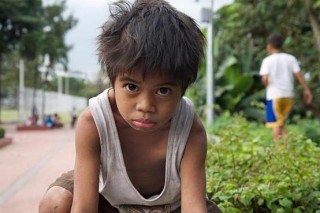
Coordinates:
[145,160]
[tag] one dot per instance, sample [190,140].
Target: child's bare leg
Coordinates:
[282,130]
[56,199]
[278,132]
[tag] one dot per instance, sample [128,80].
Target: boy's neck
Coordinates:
[274,50]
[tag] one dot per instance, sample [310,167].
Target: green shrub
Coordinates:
[308,127]
[2,132]
[248,172]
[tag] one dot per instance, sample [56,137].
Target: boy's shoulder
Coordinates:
[86,115]
[281,55]
[185,101]
[197,127]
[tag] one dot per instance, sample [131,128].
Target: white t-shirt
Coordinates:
[280,68]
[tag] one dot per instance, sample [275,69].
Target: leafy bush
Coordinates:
[2,132]
[248,172]
[308,127]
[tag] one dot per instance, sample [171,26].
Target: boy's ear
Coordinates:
[269,47]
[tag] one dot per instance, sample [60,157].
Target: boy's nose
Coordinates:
[146,104]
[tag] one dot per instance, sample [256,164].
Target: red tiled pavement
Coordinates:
[30,163]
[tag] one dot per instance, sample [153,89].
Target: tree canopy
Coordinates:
[34,29]
[30,30]
[18,18]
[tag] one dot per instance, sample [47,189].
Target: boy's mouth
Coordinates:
[144,124]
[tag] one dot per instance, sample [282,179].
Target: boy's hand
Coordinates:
[307,96]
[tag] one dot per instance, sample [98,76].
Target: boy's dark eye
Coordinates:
[164,91]
[131,87]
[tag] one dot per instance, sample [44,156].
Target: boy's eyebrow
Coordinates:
[170,83]
[126,78]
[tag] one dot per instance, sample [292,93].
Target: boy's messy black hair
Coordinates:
[150,35]
[275,40]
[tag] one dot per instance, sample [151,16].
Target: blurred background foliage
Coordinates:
[240,32]
[29,30]
[32,31]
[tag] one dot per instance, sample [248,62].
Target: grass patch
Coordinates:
[9,115]
[12,116]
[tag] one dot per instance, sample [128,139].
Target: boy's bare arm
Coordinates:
[306,91]
[265,80]
[87,164]
[193,185]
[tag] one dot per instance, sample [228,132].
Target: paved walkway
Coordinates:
[30,163]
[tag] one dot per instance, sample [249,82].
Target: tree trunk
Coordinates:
[314,24]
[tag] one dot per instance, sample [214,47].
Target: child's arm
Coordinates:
[193,180]
[306,91]
[87,165]
[265,80]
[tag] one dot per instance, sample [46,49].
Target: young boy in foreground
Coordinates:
[139,145]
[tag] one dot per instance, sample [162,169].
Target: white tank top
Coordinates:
[114,183]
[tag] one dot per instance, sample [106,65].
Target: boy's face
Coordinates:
[148,103]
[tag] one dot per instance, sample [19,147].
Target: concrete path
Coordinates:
[30,163]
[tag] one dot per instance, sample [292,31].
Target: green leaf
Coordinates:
[296,196]
[260,201]
[285,202]
[297,210]
[280,210]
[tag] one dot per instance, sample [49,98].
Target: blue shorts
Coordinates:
[277,111]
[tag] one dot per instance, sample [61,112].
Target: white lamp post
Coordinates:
[207,17]
[21,91]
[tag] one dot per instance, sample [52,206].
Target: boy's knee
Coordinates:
[56,199]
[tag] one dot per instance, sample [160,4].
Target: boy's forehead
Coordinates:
[139,74]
